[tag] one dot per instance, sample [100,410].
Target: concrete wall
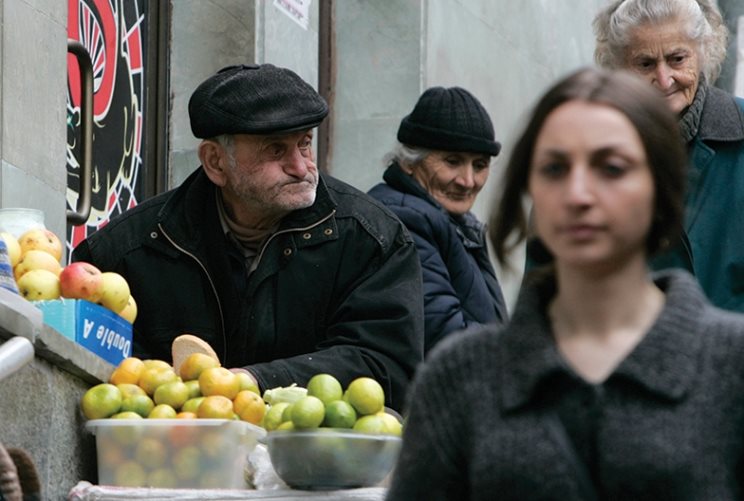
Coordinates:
[33,76]
[505,52]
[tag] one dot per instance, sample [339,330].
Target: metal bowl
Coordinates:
[329,458]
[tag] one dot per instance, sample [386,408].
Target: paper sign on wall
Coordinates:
[297,10]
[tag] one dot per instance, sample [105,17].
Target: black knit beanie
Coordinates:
[449,120]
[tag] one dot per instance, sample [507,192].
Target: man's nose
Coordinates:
[295,164]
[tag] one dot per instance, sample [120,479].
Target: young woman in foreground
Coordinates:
[608,382]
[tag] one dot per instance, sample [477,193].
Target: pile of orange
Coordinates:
[152,389]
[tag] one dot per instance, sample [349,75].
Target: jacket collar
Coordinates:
[190,213]
[664,363]
[722,118]
[470,230]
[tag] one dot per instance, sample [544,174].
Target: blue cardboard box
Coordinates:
[98,329]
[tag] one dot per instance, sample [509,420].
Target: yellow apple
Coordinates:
[114,291]
[129,313]
[35,259]
[14,249]
[41,239]
[81,280]
[39,284]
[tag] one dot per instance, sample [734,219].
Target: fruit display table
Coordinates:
[84,491]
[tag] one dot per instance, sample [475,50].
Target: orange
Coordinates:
[128,371]
[186,462]
[141,404]
[151,452]
[192,404]
[216,406]
[174,394]
[130,474]
[247,383]
[153,363]
[128,389]
[101,401]
[286,425]
[394,426]
[339,414]
[249,406]
[372,423]
[366,395]
[195,364]
[325,387]
[219,381]
[165,478]
[186,415]
[152,377]
[193,386]
[126,415]
[308,412]
[273,416]
[162,411]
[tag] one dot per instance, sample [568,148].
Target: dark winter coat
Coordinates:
[460,287]
[487,410]
[337,288]
[714,219]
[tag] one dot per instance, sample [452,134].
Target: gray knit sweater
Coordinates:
[488,410]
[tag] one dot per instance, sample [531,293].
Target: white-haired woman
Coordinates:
[678,46]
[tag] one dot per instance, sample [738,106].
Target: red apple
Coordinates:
[81,280]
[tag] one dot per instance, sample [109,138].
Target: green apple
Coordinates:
[36,285]
[114,291]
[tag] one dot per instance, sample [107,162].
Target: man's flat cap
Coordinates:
[254,99]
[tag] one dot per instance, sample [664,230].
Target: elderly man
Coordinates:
[284,271]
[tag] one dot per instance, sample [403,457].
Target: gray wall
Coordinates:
[505,52]
[33,79]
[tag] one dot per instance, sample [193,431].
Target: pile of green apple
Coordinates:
[36,260]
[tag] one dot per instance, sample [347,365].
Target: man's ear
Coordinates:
[213,158]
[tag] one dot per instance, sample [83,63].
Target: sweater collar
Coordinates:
[722,119]
[664,362]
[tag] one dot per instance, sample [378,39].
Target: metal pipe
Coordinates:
[80,215]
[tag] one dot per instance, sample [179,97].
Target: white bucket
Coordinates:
[17,221]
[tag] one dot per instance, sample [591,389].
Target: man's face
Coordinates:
[266,177]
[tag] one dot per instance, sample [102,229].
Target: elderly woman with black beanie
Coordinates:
[432,180]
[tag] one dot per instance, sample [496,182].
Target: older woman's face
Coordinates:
[664,56]
[453,179]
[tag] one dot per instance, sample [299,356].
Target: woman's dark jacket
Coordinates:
[460,286]
[337,288]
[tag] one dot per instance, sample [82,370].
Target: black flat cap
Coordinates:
[254,99]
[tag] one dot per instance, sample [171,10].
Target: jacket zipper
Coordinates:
[211,283]
[289,230]
[258,260]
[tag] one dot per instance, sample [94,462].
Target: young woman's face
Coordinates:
[591,186]
[453,179]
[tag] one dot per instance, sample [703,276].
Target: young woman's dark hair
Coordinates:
[651,117]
